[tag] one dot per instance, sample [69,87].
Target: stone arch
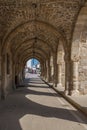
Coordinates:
[22,27]
[79,53]
[79,34]
[40,50]
[37,52]
[24,62]
[29,56]
[29,44]
[29,40]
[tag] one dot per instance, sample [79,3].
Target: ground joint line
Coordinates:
[68,108]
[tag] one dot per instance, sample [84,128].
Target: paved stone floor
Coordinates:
[38,107]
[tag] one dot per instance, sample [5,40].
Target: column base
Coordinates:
[59,85]
[66,92]
[47,80]
[54,85]
[50,83]
[14,86]
[74,93]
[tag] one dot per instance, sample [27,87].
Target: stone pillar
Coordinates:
[48,70]
[55,69]
[59,74]
[21,76]
[13,76]
[45,71]
[75,84]
[52,70]
[17,75]
[42,71]
[43,68]
[66,91]
[51,75]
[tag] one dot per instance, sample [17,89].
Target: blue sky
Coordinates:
[29,63]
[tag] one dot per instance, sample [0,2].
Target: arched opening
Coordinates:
[32,66]
[79,54]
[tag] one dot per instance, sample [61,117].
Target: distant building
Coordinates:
[34,62]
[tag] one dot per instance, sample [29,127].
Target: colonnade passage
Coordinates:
[55,33]
[38,107]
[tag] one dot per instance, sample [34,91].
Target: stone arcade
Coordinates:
[58,30]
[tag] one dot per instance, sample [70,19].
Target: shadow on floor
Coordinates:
[16,106]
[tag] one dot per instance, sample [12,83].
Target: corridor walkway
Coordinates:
[38,107]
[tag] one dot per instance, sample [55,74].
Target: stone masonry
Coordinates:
[52,31]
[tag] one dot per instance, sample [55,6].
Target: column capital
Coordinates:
[75,58]
[59,63]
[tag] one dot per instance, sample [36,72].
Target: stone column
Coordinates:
[48,70]
[52,70]
[13,76]
[55,69]
[67,77]
[52,74]
[75,83]
[44,71]
[17,78]
[21,73]
[59,74]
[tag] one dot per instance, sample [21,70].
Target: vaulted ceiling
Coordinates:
[32,28]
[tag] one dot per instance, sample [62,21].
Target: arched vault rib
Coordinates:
[42,56]
[26,50]
[29,40]
[47,38]
[22,27]
[38,39]
[28,44]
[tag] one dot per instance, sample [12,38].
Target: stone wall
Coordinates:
[35,29]
[83,68]
[0,72]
